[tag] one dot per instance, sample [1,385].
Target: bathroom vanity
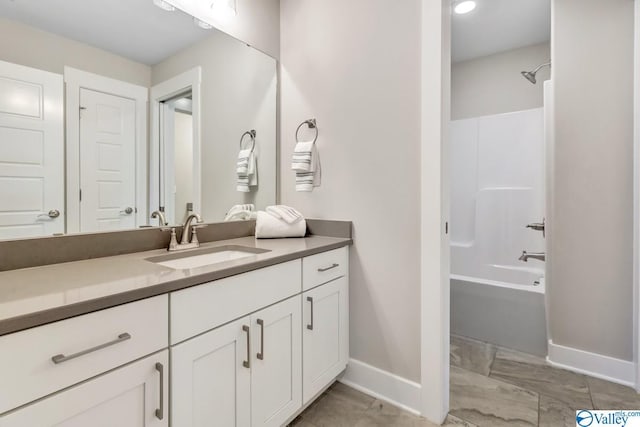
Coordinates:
[245,342]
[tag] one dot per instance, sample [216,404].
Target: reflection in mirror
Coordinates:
[109,114]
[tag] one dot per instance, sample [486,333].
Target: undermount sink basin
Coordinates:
[204,257]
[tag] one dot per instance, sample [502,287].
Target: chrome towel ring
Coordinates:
[252,134]
[311,124]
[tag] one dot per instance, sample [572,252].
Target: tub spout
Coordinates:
[540,256]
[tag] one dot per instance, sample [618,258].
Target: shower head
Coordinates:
[531,75]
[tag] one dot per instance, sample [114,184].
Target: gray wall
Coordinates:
[363,86]
[29,46]
[238,93]
[493,84]
[591,294]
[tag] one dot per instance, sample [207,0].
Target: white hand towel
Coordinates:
[242,165]
[248,178]
[270,227]
[302,157]
[306,164]
[285,213]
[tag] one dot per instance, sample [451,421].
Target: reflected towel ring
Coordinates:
[252,134]
[311,124]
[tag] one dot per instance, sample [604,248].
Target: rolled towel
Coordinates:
[285,213]
[241,216]
[270,227]
[238,212]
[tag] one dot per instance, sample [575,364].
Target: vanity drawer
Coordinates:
[82,347]
[201,308]
[324,267]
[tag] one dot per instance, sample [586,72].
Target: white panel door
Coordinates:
[107,162]
[325,335]
[127,397]
[31,152]
[211,379]
[276,371]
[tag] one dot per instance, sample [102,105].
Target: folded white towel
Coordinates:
[285,213]
[242,165]
[270,227]
[247,171]
[306,164]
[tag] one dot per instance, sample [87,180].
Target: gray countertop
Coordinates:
[35,296]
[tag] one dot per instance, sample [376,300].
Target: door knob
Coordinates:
[53,213]
[127,211]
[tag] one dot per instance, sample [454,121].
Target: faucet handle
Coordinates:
[173,243]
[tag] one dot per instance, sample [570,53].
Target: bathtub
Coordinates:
[510,315]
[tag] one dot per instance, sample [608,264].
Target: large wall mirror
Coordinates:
[112,111]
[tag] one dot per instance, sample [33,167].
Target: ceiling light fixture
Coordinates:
[164,5]
[202,24]
[463,7]
[224,8]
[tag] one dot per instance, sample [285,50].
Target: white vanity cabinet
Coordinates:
[134,396]
[325,332]
[325,335]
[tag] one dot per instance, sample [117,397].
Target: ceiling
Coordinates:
[135,29]
[500,25]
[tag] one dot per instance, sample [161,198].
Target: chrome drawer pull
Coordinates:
[59,358]
[247,363]
[334,265]
[160,411]
[260,355]
[310,325]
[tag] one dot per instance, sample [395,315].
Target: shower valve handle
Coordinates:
[538,226]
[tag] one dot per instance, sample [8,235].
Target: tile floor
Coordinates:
[490,386]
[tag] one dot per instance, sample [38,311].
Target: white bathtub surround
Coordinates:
[497,188]
[269,226]
[306,164]
[246,170]
[504,314]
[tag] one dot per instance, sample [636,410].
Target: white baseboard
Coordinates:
[592,364]
[383,385]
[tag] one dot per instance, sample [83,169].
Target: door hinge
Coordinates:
[446,227]
[80,111]
[80,194]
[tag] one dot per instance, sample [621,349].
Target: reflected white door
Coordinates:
[31,152]
[107,162]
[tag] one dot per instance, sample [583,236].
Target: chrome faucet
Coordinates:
[540,256]
[185,241]
[161,218]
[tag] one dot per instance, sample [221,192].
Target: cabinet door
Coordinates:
[276,371]
[132,396]
[325,335]
[211,378]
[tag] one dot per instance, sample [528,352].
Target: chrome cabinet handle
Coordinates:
[127,211]
[60,358]
[310,325]
[53,213]
[247,363]
[260,354]
[160,410]
[334,265]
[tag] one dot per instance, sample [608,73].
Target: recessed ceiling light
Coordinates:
[164,5]
[202,24]
[464,7]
